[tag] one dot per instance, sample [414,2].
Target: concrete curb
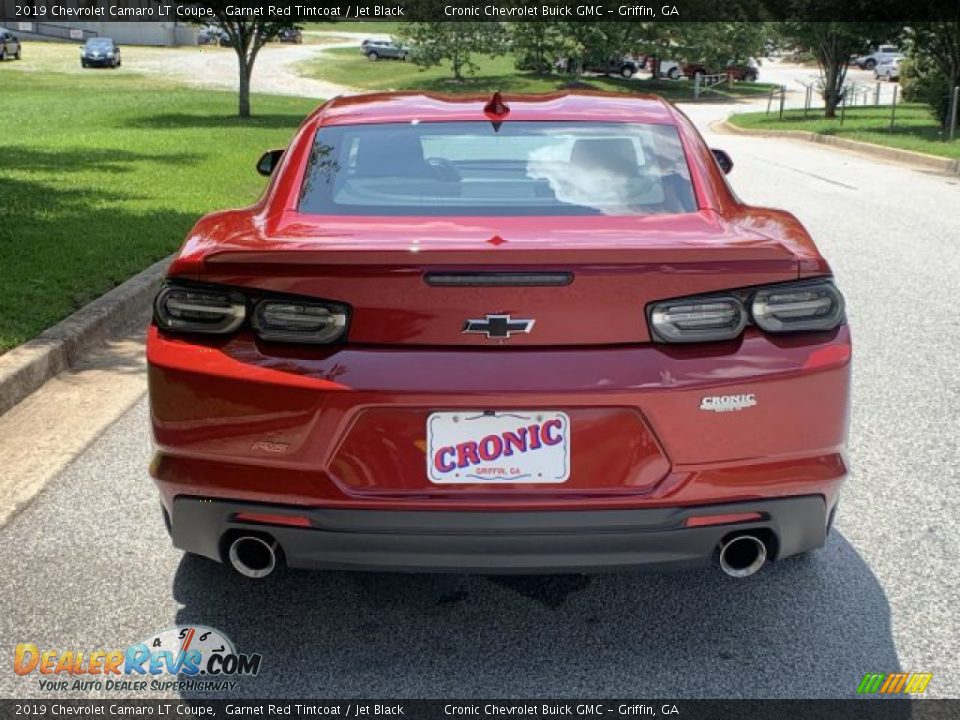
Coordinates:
[930,162]
[26,368]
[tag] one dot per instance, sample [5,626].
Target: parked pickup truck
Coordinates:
[749,72]
[881,55]
[625,67]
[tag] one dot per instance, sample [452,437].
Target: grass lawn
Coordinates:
[104,173]
[348,67]
[915,128]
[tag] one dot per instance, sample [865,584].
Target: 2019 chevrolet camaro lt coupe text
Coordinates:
[521,334]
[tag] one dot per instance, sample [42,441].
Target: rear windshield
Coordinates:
[518,168]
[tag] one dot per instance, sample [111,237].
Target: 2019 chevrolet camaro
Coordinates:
[510,334]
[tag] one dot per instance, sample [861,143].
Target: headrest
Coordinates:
[615,155]
[390,155]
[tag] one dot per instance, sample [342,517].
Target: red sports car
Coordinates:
[526,334]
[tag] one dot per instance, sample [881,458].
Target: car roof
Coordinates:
[578,105]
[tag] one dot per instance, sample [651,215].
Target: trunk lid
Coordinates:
[581,280]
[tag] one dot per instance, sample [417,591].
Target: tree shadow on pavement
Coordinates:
[804,627]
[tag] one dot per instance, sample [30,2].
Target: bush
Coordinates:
[531,60]
[921,81]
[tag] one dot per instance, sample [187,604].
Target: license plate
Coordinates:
[516,446]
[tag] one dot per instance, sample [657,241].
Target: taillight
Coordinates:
[304,322]
[803,306]
[217,310]
[199,310]
[798,307]
[702,319]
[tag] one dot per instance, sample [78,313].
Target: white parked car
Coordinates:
[670,69]
[880,55]
[888,70]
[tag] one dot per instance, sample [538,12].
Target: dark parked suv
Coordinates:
[9,45]
[210,36]
[625,67]
[100,52]
[290,35]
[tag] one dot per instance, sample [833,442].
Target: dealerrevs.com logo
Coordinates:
[191,657]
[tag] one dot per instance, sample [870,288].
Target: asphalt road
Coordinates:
[87,564]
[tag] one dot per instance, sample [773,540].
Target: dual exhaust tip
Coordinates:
[742,555]
[256,557]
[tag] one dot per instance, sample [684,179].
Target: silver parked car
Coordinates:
[888,70]
[384,49]
[9,45]
[880,55]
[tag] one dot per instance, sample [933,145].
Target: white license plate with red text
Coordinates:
[515,446]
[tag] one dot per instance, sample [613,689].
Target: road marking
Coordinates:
[809,174]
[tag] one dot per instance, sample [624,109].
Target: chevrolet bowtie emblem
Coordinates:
[498,327]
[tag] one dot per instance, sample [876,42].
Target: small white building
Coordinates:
[168,33]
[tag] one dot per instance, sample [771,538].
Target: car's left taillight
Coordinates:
[183,307]
[199,310]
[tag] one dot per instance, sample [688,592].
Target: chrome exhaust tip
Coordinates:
[252,556]
[742,556]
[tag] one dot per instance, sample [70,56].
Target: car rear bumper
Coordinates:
[498,542]
[346,427]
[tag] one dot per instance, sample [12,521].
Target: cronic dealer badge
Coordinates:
[728,403]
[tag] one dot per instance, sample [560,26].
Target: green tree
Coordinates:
[538,45]
[833,43]
[245,36]
[454,42]
[714,44]
[934,67]
[719,43]
[663,41]
[594,43]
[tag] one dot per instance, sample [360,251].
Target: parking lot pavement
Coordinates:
[207,66]
[275,70]
[88,565]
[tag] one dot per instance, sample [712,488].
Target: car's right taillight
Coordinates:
[803,306]
[798,307]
